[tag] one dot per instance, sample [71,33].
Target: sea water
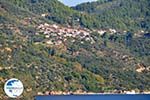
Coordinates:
[96,97]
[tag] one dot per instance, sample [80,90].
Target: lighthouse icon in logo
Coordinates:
[13,88]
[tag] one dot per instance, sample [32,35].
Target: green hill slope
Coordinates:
[56,11]
[119,14]
[59,61]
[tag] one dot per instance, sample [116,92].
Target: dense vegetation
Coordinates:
[55,11]
[107,64]
[119,14]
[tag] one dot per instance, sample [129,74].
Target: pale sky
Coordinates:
[74,2]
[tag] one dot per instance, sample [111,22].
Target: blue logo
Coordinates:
[13,88]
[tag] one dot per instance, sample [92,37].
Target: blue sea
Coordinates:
[96,97]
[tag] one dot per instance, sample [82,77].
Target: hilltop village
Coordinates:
[58,34]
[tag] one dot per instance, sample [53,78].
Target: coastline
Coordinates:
[132,92]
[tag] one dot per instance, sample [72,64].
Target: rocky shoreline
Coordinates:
[90,93]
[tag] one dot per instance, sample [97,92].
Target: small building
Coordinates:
[140,68]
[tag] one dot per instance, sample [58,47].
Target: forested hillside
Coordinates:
[55,11]
[97,47]
[119,14]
